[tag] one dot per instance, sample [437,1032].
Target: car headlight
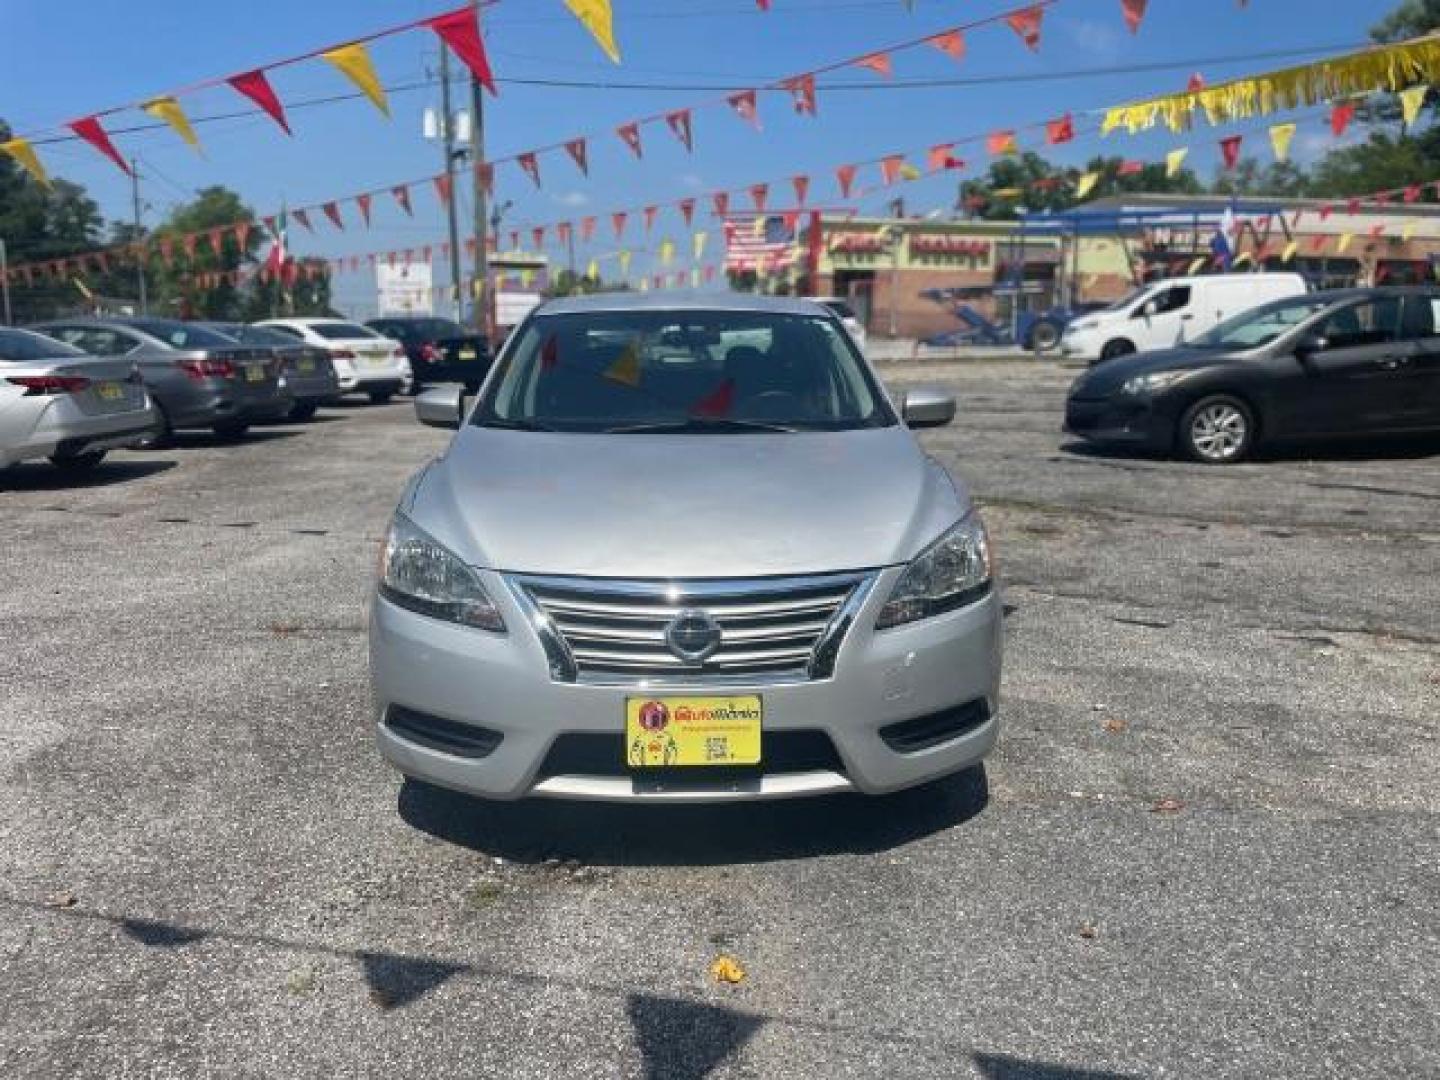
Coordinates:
[950,573]
[1148,384]
[419,573]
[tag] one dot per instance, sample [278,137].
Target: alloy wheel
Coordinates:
[1219,431]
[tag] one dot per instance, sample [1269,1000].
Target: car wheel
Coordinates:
[78,463]
[1117,348]
[163,435]
[231,429]
[1217,430]
[302,412]
[380,397]
[1044,336]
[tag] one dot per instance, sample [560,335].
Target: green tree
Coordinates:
[1250,177]
[179,286]
[1411,19]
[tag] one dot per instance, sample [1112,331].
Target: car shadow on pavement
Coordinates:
[619,834]
[1369,448]
[41,476]
[188,440]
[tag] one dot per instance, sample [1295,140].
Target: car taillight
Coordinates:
[208,368]
[429,353]
[41,385]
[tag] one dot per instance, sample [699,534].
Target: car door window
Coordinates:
[1422,316]
[1372,322]
[1172,299]
[97,341]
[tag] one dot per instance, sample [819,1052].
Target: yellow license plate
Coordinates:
[305,365]
[110,391]
[666,732]
[467,354]
[254,373]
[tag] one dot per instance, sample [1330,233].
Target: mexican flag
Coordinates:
[275,260]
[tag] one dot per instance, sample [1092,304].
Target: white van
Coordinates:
[1168,313]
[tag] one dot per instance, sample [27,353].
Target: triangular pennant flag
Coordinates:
[537,234]
[1195,83]
[1290,250]
[460,29]
[587,229]
[563,232]
[592,270]
[1344,244]
[255,86]
[1230,150]
[909,172]
[1340,117]
[890,168]
[241,233]
[617,219]
[363,202]
[877,62]
[303,218]
[721,201]
[667,252]
[402,196]
[1174,160]
[1197,265]
[353,61]
[1060,131]
[90,130]
[679,123]
[530,164]
[598,19]
[1411,102]
[802,89]
[332,211]
[1281,136]
[1000,142]
[168,110]
[758,194]
[697,245]
[1134,12]
[626,368]
[189,241]
[1027,24]
[443,188]
[1086,184]
[687,210]
[939,157]
[650,213]
[630,133]
[578,151]
[845,177]
[801,184]
[951,43]
[1411,194]
[744,103]
[791,218]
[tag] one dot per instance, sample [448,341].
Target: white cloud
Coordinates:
[573,198]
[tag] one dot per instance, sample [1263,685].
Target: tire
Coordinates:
[381,397]
[1044,336]
[302,412]
[1115,349]
[164,434]
[78,463]
[231,429]
[1217,430]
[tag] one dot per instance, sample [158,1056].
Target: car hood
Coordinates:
[1107,377]
[685,506]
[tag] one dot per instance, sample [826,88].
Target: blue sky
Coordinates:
[59,68]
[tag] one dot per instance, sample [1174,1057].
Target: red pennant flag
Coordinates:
[687,211]
[1352,206]
[188,243]
[538,235]
[530,164]
[1134,12]
[718,402]
[1230,150]
[650,212]
[758,194]
[630,133]
[363,202]
[1060,131]
[90,130]
[1412,193]
[679,122]
[217,240]
[443,188]
[1027,24]
[802,188]
[890,168]
[1377,231]
[845,175]
[802,88]
[721,201]
[241,233]
[257,88]
[402,196]
[578,151]
[304,219]
[1130,168]
[332,211]
[460,30]
[617,219]
[563,232]
[791,218]
[744,103]
[763,5]
[1340,117]
[1196,83]
[1000,142]
[877,62]
[951,43]
[587,228]
[1326,211]
[940,157]
[390,259]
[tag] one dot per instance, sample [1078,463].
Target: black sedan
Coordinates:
[439,350]
[1318,366]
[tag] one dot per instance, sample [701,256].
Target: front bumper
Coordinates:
[501,682]
[1133,421]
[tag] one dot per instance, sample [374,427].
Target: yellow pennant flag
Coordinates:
[909,172]
[593,270]
[1174,160]
[667,252]
[759,227]
[1411,102]
[1241,259]
[1290,250]
[24,153]
[624,258]
[697,244]
[626,368]
[1344,244]
[1408,233]
[1280,138]
[1197,265]
[354,62]
[694,277]
[644,284]
[596,16]
[168,109]
[1086,184]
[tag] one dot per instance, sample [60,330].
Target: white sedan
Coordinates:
[365,362]
[59,403]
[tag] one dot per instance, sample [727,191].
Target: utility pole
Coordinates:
[5,280]
[447,142]
[140,256]
[481,294]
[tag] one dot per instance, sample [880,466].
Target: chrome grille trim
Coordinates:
[609,631]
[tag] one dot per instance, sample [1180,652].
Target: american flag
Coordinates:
[759,243]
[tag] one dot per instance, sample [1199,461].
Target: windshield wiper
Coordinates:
[513,425]
[696,424]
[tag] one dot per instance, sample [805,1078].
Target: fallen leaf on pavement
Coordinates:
[1167,806]
[1114,725]
[726,969]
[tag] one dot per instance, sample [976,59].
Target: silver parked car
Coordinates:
[684,549]
[198,378]
[58,403]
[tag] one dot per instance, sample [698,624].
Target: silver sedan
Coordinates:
[59,403]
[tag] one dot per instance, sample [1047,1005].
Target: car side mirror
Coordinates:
[442,407]
[1150,308]
[927,407]
[1311,344]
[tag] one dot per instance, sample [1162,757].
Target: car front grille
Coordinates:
[610,631]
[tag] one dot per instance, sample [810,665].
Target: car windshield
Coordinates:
[683,371]
[260,335]
[840,307]
[1262,325]
[1128,299]
[342,331]
[23,347]
[181,335]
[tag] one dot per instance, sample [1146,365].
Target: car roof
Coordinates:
[681,300]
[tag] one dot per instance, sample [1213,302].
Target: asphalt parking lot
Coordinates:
[1206,847]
